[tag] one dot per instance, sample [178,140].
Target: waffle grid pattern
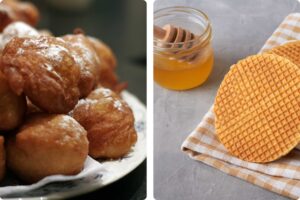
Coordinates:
[290,51]
[281,176]
[258,108]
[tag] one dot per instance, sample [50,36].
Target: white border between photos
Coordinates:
[150,182]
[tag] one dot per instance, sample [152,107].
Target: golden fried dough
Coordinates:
[109,122]
[107,77]
[101,92]
[17,29]
[46,145]
[105,53]
[2,158]
[13,10]
[86,57]
[12,106]
[44,69]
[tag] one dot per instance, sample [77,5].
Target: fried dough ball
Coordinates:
[45,145]
[17,29]
[109,122]
[2,158]
[104,52]
[12,106]
[107,77]
[44,69]
[86,57]
[13,10]
[101,92]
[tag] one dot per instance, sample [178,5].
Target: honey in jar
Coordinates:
[186,64]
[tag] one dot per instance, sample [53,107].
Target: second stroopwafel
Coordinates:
[290,50]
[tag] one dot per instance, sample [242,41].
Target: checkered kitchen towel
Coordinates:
[281,176]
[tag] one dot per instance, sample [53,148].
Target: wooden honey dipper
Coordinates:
[172,34]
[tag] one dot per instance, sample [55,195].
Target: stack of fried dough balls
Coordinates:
[54,108]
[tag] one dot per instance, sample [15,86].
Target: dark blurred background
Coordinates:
[122,25]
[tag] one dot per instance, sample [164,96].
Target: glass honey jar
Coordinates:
[186,64]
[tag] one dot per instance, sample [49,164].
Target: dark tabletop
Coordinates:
[122,25]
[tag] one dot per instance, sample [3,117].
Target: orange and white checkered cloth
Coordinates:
[281,176]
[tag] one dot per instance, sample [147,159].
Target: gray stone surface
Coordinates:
[240,28]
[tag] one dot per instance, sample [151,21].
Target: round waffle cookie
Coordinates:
[290,50]
[257,108]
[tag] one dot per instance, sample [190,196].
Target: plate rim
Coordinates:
[90,187]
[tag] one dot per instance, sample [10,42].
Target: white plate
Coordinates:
[116,169]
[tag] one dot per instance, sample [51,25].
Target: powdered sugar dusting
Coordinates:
[118,104]
[85,57]
[86,54]
[66,122]
[79,60]
[17,29]
[20,29]
[20,51]
[66,138]
[53,52]
[104,91]
[83,102]
[82,55]
[39,42]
